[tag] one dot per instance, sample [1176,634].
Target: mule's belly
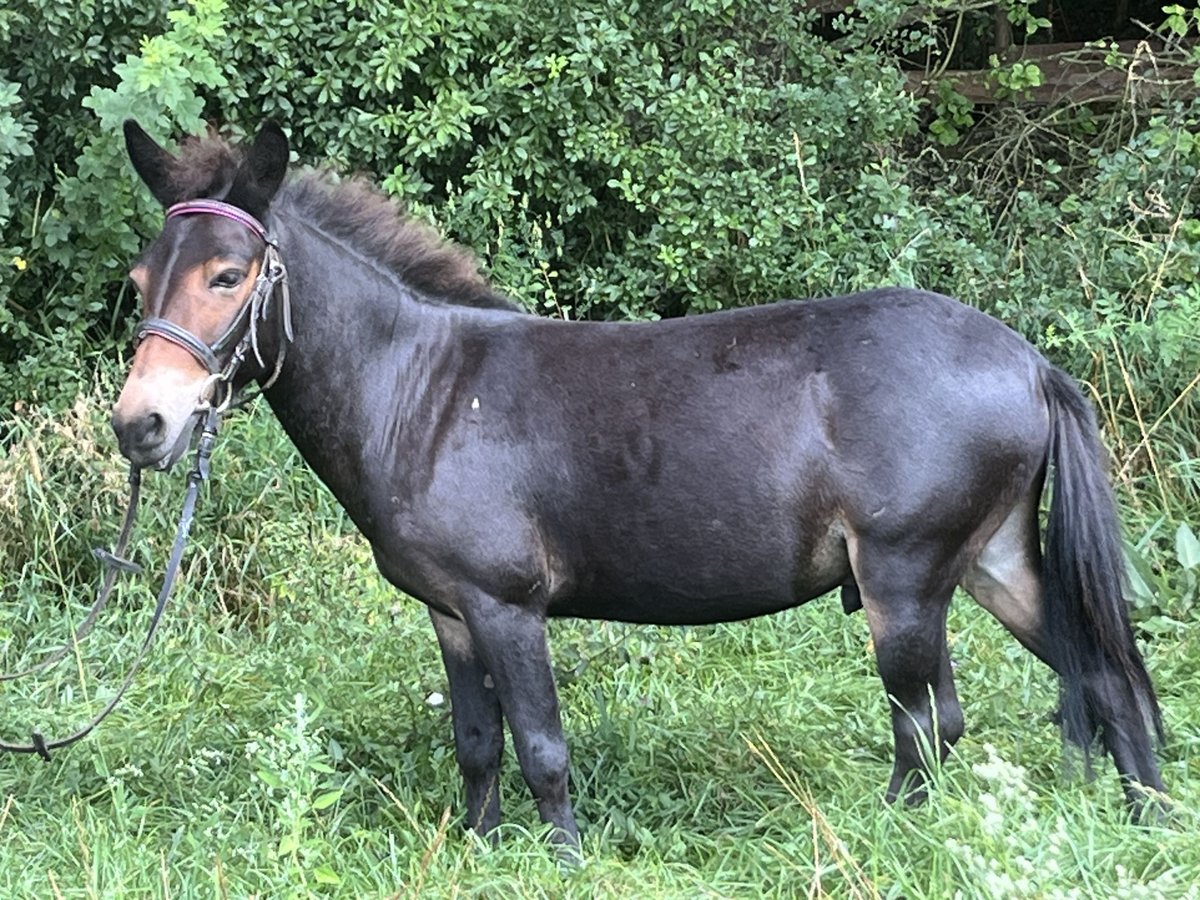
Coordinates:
[693,581]
[656,604]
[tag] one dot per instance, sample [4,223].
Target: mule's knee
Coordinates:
[919,733]
[511,641]
[478,750]
[545,764]
[927,719]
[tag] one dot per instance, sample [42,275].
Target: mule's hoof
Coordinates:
[567,849]
[912,787]
[1149,808]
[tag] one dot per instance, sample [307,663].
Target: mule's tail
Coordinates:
[1106,690]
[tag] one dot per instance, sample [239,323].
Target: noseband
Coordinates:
[242,333]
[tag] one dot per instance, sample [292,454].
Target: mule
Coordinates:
[508,468]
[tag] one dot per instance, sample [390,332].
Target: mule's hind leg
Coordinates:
[478,726]
[1006,580]
[906,606]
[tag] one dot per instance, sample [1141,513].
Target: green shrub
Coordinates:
[53,311]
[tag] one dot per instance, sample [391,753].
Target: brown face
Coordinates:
[198,274]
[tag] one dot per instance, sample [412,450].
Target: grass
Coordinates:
[289,737]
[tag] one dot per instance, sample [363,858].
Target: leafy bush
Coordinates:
[52,311]
[16,141]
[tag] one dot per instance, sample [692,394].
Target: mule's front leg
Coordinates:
[511,640]
[478,727]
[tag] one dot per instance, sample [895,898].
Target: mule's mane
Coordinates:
[352,210]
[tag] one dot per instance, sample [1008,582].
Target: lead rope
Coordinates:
[196,477]
[115,563]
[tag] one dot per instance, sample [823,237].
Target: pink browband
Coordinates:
[218,208]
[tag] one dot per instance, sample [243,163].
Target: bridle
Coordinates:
[242,336]
[242,333]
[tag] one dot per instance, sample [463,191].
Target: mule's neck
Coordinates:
[372,369]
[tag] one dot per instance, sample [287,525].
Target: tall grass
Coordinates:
[289,736]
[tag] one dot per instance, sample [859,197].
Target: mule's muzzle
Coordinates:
[145,440]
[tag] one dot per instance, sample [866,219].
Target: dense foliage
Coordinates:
[618,159]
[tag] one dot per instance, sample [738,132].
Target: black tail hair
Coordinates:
[1083,574]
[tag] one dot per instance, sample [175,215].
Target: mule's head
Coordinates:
[195,281]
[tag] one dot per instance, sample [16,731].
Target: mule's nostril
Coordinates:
[151,430]
[139,434]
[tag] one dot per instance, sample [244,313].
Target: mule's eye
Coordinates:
[230,278]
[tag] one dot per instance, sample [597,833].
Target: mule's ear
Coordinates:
[150,161]
[262,171]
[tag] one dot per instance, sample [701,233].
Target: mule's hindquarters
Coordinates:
[1066,604]
[938,471]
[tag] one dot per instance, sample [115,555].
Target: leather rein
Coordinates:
[242,337]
